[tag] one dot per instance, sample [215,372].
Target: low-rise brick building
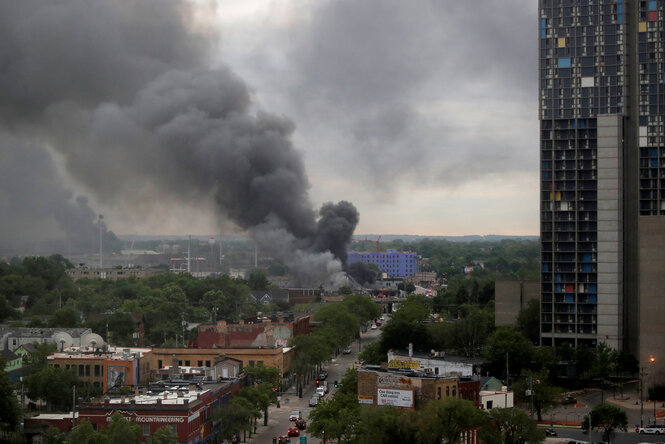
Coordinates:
[279,357]
[373,381]
[112,367]
[187,409]
[251,333]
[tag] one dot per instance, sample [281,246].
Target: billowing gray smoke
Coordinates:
[120,93]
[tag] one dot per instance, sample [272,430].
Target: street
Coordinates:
[278,418]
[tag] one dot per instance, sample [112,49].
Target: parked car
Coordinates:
[295,415]
[301,424]
[550,432]
[346,351]
[650,430]
[569,400]
[373,327]
[293,431]
[314,401]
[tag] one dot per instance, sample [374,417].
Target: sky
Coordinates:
[422,113]
[176,117]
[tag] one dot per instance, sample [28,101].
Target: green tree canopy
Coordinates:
[10,411]
[445,419]
[164,435]
[510,426]
[606,418]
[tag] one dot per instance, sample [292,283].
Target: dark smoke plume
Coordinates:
[120,91]
[362,273]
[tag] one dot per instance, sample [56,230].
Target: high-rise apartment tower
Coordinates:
[602,146]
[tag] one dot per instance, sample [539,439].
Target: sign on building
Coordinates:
[397,398]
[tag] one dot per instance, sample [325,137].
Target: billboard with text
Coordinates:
[397,398]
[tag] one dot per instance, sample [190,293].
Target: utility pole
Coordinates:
[101,261]
[189,255]
[643,373]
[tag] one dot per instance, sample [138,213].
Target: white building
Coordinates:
[492,399]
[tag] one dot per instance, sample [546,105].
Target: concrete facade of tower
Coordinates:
[602,203]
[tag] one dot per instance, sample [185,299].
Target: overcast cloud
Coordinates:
[422,114]
[418,105]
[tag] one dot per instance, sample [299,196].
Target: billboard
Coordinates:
[397,398]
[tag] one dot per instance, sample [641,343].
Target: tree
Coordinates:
[84,433]
[257,280]
[234,416]
[471,332]
[53,436]
[361,306]
[10,412]
[398,334]
[65,317]
[122,431]
[510,426]
[164,435]
[337,417]
[543,395]
[507,342]
[385,424]
[54,385]
[604,362]
[445,419]
[373,354]
[606,418]
[528,321]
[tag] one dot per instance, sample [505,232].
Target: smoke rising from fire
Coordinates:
[120,94]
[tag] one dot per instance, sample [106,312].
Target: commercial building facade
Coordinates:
[392,262]
[115,367]
[602,149]
[378,386]
[186,409]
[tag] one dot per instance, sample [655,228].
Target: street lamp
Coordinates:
[652,360]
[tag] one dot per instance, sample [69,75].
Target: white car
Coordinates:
[295,415]
[650,430]
[321,391]
[373,327]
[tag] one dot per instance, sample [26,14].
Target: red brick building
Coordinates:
[186,409]
[254,333]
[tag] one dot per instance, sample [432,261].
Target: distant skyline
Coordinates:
[173,116]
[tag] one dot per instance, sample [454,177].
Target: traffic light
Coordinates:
[335,383]
[317,382]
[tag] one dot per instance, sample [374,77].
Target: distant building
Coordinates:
[392,262]
[222,368]
[303,295]
[512,296]
[280,358]
[115,367]
[409,389]
[492,399]
[434,363]
[263,332]
[271,296]
[12,360]
[112,274]
[12,337]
